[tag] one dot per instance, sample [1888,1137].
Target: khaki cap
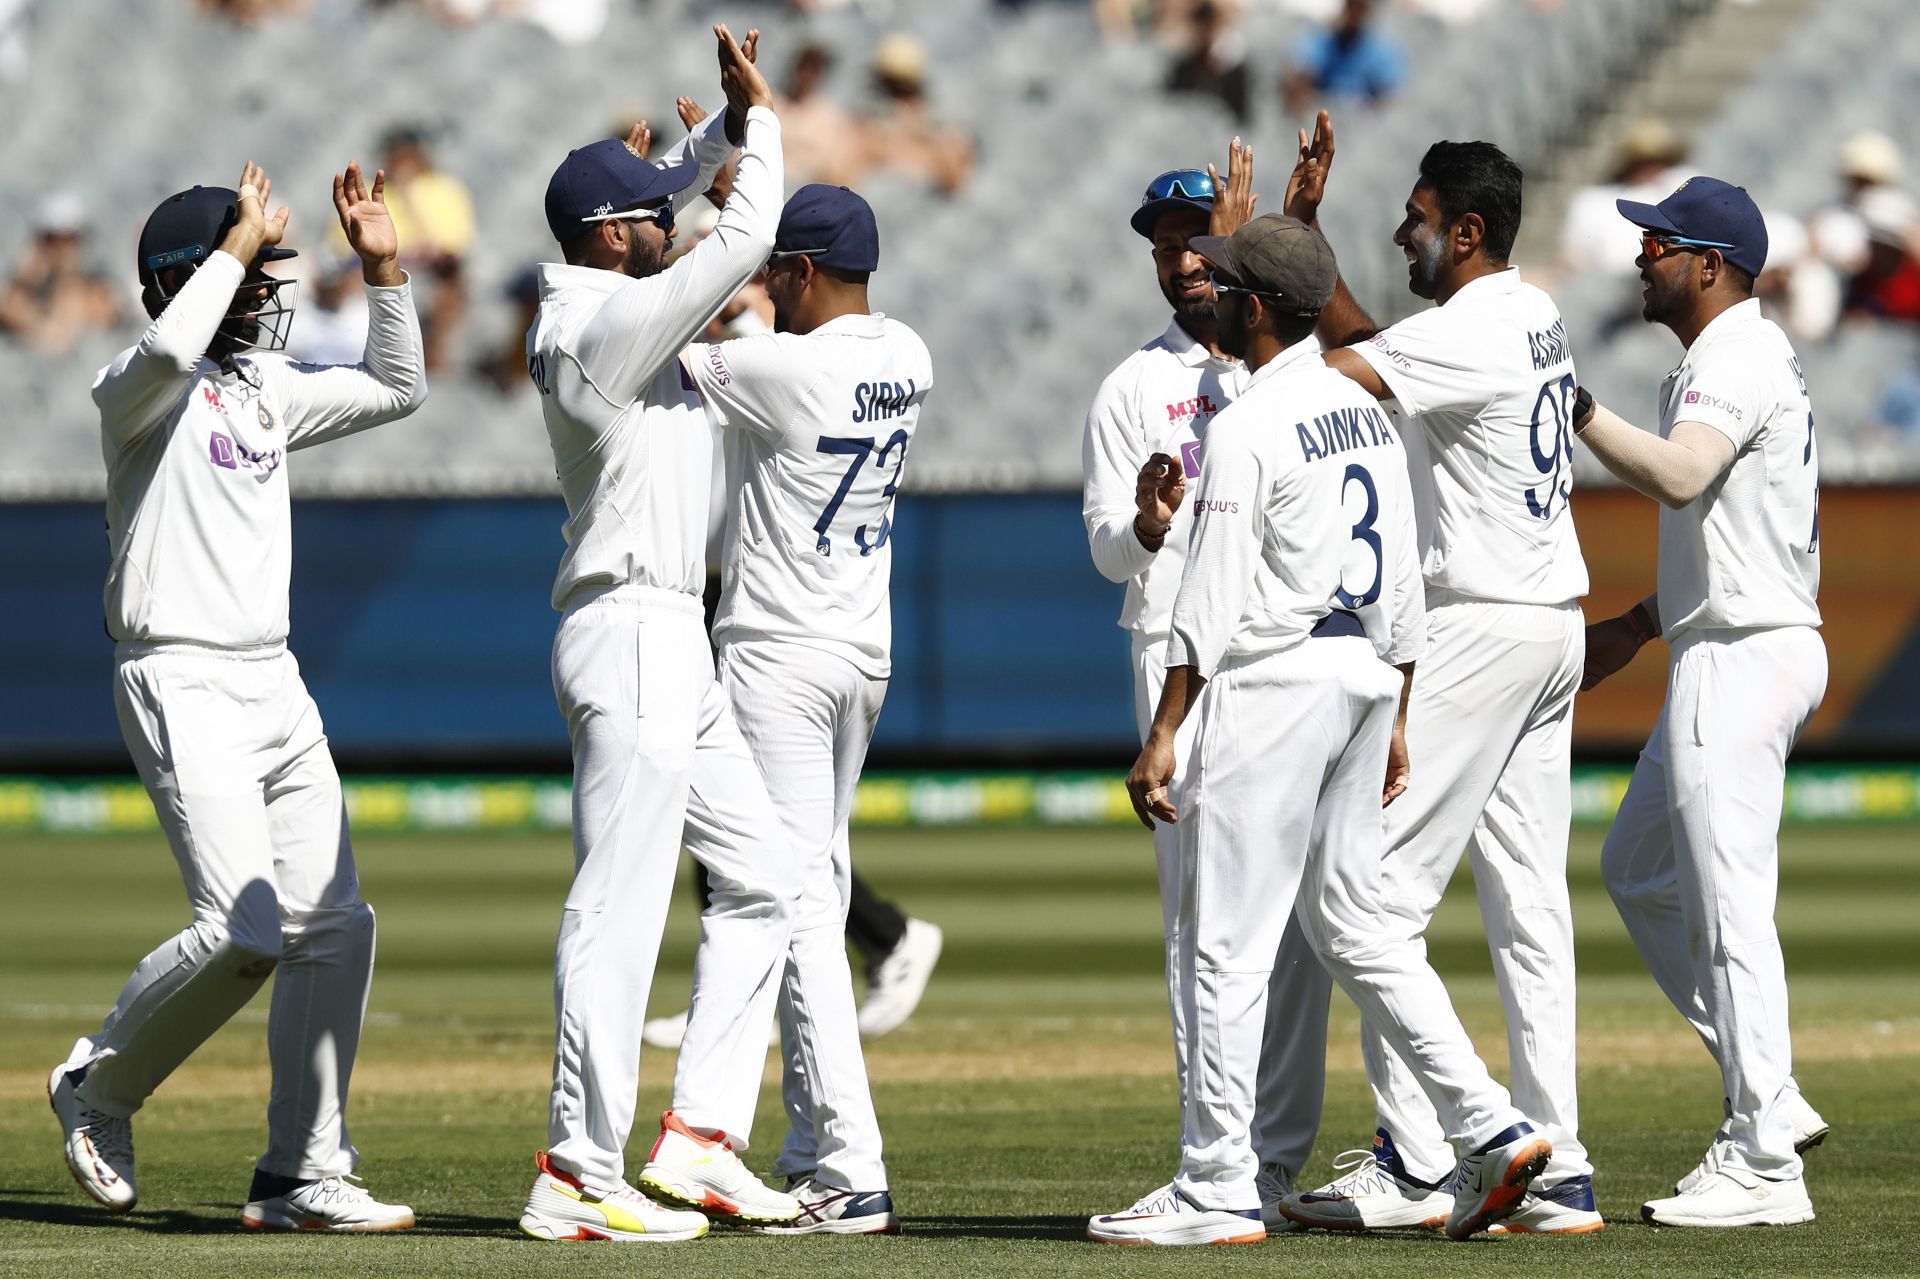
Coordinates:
[1279,255]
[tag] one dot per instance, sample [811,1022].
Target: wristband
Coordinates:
[1639,623]
[1583,409]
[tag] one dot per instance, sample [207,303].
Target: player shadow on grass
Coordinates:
[995,1227]
[17,1203]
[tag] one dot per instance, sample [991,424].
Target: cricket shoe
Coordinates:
[664,1032]
[828,1210]
[99,1146]
[1168,1218]
[1275,1183]
[900,979]
[1734,1197]
[1376,1193]
[1565,1209]
[703,1173]
[1809,1130]
[1495,1178]
[331,1203]
[561,1206]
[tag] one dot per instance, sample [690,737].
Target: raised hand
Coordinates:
[367,224]
[1308,184]
[254,230]
[1233,201]
[691,113]
[740,78]
[640,139]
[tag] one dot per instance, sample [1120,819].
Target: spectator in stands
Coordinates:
[1899,411]
[1887,286]
[505,367]
[902,136]
[1348,61]
[1869,162]
[55,296]
[1594,238]
[820,136]
[15,48]
[433,216]
[248,12]
[333,315]
[1216,58]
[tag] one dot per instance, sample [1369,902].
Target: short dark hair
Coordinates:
[1292,328]
[575,248]
[1741,277]
[1476,177]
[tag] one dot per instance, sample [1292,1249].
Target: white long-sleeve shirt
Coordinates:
[1746,552]
[198,517]
[1160,400]
[816,429]
[1303,508]
[631,445]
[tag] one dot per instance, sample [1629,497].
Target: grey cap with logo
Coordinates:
[1277,256]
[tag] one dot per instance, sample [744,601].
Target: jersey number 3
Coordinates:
[859,448]
[1366,534]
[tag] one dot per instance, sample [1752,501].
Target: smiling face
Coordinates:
[1423,237]
[1182,272]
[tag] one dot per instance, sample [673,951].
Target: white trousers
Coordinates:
[658,761]
[1293,1060]
[1693,862]
[1282,805]
[231,749]
[1490,737]
[807,716]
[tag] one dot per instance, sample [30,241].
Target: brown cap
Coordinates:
[1276,254]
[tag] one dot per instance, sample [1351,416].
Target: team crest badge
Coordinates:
[266,419]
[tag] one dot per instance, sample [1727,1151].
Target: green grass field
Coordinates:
[1034,1087]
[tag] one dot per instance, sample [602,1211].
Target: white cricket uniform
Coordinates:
[816,429]
[1692,860]
[657,756]
[1487,381]
[1303,514]
[1161,400]
[216,717]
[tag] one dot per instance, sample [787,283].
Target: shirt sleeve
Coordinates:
[1407,641]
[1111,455]
[327,401]
[706,147]
[645,323]
[1722,393]
[137,391]
[1426,364]
[752,384]
[1221,558]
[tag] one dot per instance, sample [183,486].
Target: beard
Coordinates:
[1663,303]
[1230,330]
[1423,273]
[643,258]
[1191,314]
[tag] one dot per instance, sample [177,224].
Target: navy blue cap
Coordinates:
[188,227]
[833,226]
[1711,213]
[607,179]
[1174,189]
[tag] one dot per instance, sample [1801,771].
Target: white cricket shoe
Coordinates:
[99,1146]
[901,979]
[1168,1218]
[1564,1209]
[331,1203]
[1495,1178]
[1275,1182]
[1734,1197]
[1809,1130]
[687,1170]
[664,1032]
[828,1210]
[1376,1193]
[561,1206]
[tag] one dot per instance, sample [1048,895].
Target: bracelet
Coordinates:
[1583,409]
[1144,530]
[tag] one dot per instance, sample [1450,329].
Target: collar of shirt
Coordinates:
[1500,282]
[1726,324]
[1299,355]
[871,325]
[1190,352]
[558,278]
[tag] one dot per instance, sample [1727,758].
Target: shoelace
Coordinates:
[112,1136]
[1367,1176]
[1165,1199]
[340,1190]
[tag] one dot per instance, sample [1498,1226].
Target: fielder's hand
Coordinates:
[740,80]
[1147,783]
[368,225]
[1158,492]
[1233,201]
[1308,185]
[254,230]
[640,138]
[1611,644]
[1399,769]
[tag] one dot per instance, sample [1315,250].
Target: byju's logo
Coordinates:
[1190,458]
[223,452]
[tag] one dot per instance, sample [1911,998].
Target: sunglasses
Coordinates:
[1180,184]
[661,215]
[1656,247]
[1225,286]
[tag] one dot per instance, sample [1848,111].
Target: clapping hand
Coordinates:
[1233,201]
[367,224]
[1308,185]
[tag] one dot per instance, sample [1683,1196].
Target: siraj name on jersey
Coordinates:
[1341,430]
[875,400]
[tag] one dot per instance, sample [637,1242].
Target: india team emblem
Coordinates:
[266,419]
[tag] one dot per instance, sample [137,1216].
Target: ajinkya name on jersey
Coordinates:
[229,451]
[1341,431]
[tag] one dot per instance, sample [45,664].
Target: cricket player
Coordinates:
[1299,596]
[1485,379]
[817,419]
[1158,404]
[197,423]
[1693,858]
[657,757]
